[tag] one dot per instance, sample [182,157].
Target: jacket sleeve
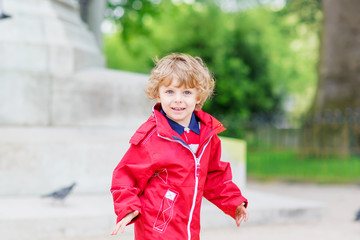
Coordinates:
[129,180]
[219,188]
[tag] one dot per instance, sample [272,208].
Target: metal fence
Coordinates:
[331,133]
[330,140]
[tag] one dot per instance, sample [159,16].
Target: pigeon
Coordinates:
[357,218]
[60,194]
[2,14]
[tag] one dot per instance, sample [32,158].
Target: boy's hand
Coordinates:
[241,214]
[122,224]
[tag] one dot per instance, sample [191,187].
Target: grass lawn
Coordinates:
[286,165]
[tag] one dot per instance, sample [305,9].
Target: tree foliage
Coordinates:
[258,56]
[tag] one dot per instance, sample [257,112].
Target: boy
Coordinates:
[174,158]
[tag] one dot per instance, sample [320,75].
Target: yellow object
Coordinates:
[236,148]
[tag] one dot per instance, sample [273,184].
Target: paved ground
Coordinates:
[341,203]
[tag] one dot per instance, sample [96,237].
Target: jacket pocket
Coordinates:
[166,211]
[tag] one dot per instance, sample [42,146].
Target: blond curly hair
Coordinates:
[190,71]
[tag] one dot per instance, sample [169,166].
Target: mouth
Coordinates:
[177,109]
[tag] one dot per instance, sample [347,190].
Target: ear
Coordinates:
[158,99]
[198,99]
[197,107]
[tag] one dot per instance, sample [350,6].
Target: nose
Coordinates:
[178,98]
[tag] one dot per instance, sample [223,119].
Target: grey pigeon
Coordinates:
[60,194]
[357,218]
[2,14]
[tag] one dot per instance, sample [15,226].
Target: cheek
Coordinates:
[163,99]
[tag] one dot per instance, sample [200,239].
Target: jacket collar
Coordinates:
[193,126]
[210,125]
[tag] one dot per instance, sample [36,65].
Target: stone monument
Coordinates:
[64,117]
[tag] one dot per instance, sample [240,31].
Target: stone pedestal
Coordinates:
[63,116]
[98,97]
[42,41]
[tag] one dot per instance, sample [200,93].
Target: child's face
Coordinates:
[178,102]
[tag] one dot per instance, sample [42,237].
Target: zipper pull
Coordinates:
[197,171]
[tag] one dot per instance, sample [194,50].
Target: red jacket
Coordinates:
[165,181]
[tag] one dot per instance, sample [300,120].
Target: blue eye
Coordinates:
[187,92]
[169,91]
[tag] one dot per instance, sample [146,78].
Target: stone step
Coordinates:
[53,157]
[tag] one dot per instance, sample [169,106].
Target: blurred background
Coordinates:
[72,74]
[286,71]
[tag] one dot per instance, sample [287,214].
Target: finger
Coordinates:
[241,219]
[128,218]
[116,229]
[135,214]
[237,218]
[237,221]
[122,228]
[124,223]
[246,216]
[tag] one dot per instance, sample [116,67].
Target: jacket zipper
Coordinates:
[197,168]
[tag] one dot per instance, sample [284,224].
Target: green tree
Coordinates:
[248,51]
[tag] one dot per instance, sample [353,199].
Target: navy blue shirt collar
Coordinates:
[193,126]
